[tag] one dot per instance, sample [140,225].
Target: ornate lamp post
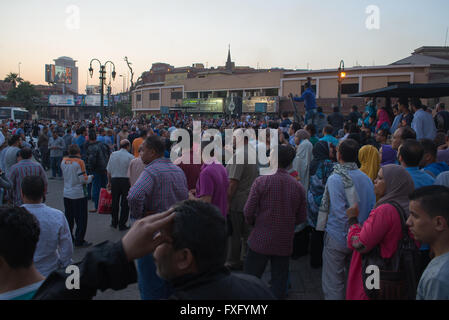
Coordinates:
[341,77]
[102,79]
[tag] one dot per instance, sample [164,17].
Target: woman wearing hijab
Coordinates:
[370,160]
[387,155]
[301,163]
[321,168]
[383,226]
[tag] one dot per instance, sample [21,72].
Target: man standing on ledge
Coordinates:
[309,99]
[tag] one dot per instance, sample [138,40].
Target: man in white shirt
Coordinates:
[54,249]
[118,183]
[75,194]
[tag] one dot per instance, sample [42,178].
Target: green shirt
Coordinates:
[314,140]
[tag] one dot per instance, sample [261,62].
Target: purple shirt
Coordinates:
[160,185]
[213,181]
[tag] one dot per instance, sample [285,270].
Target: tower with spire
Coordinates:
[229,64]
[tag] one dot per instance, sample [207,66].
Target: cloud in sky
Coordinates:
[274,33]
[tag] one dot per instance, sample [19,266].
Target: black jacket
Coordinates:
[220,284]
[97,157]
[105,266]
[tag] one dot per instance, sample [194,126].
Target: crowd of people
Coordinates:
[346,188]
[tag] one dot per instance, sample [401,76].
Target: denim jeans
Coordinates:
[56,166]
[311,115]
[255,264]
[336,262]
[151,287]
[100,180]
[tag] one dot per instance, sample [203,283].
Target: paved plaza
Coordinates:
[305,281]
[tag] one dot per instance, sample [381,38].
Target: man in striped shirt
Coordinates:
[161,185]
[25,167]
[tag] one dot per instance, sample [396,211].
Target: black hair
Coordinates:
[408,133]
[25,153]
[92,135]
[143,133]
[200,227]
[312,128]
[14,138]
[328,129]
[336,109]
[74,149]
[411,152]
[19,234]
[355,136]
[296,126]
[434,200]
[33,187]
[383,132]
[429,146]
[349,150]
[355,108]
[286,154]
[156,143]
[416,102]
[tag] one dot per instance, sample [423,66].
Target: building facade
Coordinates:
[178,89]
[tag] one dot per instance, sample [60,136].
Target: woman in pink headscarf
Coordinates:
[382,228]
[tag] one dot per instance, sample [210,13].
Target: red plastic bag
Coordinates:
[105,202]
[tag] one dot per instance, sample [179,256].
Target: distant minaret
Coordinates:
[229,64]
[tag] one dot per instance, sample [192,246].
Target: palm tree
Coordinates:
[13,78]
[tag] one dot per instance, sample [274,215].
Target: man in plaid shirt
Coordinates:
[161,185]
[275,205]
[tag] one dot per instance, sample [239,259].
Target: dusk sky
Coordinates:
[282,33]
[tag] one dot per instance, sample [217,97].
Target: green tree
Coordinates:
[24,94]
[13,78]
[122,109]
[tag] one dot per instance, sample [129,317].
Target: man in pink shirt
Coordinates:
[212,185]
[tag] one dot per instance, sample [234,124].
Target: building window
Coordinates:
[271,92]
[154,96]
[176,95]
[205,95]
[395,83]
[139,97]
[221,94]
[191,95]
[350,88]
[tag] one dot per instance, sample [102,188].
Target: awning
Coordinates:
[428,90]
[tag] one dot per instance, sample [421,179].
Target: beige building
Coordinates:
[425,65]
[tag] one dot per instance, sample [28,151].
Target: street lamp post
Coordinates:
[341,77]
[102,79]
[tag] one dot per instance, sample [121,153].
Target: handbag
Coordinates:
[399,274]
[105,202]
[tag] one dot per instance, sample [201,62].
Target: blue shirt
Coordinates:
[424,125]
[80,142]
[420,178]
[436,168]
[434,283]
[331,139]
[337,223]
[396,122]
[309,99]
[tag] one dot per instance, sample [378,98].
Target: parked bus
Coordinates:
[16,114]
